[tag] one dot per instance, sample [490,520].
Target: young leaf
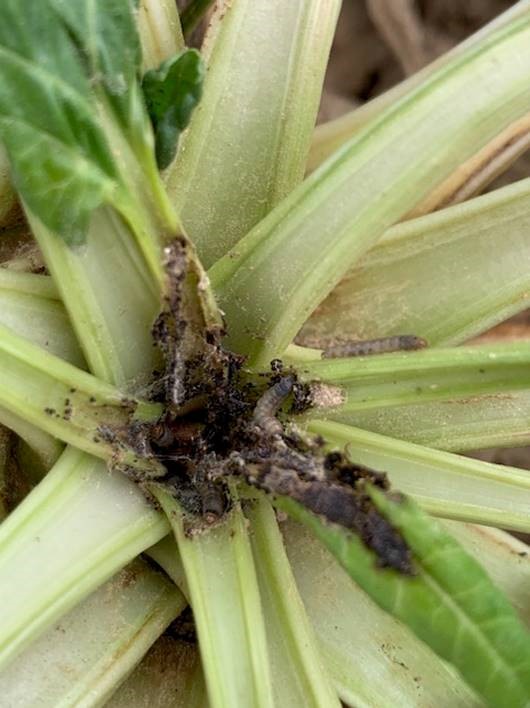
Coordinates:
[171,93]
[448,601]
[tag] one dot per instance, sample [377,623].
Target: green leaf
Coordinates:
[373,659]
[171,93]
[61,163]
[73,119]
[450,602]
[105,36]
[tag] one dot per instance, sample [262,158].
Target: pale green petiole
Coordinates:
[283,47]
[60,399]
[160,31]
[415,377]
[46,447]
[277,275]
[453,399]
[406,284]
[460,424]
[224,594]
[80,660]
[30,306]
[330,136]
[444,484]
[170,675]
[92,280]
[79,526]
[298,672]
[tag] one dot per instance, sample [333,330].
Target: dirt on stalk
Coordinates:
[222,424]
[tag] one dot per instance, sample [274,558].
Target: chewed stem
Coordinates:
[383,345]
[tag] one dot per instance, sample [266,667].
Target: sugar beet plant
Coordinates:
[181,366]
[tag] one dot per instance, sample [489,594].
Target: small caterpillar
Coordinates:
[269,404]
[383,345]
[213,503]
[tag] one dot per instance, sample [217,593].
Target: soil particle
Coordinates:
[195,362]
[345,505]
[220,423]
[183,628]
[239,435]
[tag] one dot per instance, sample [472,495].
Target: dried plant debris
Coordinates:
[399,25]
[187,332]
[221,424]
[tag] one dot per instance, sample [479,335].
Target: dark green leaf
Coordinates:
[450,603]
[104,32]
[53,60]
[171,93]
